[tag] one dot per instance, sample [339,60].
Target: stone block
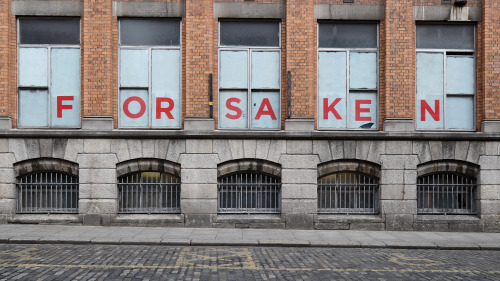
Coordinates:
[398,147]
[422,150]
[262,149]
[399,206]
[490,207]
[377,148]
[98,206]
[476,149]
[322,149]
[276,149]
[175,148]
[46,147]
[97,161]
[249,10]
[99,191]
[32,147]
[299,221]
[299,191]
[490,126]
[399,222]
[399,162]
[299,206]
[410,192]
[199,161]
[73,148]
[199,146]
[367,226]
[249,148]
[198,191]
[199,176]
[489,177]
[299,176]
[392,192]
[362,149]
[134,148]
[97,123]
[399,125]
[198,220]
[18,147]
[299,147]
[4,145]
[331,225]
[59,148]
[299,124]
[198,124]
[8,191]
[161,147]
[236,148]
[5,123]
[492,148]
[91,220]
[465,227]
[7,175]
[199,206]
[410,176]
[148,148]
[489,162]
[348,12]
[448,149]
[221,148]
[392,176]
[491,223]
[97,176]
[430,226]
[349,149]
[489,192]
[7,160]
[97,146]
[299,161]
[7,206]
[461,148]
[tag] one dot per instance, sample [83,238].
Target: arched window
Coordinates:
[47,186]
[348,187]
[447,187]
[249,186]
[149,186]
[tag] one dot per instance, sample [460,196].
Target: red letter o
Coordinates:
[130,114]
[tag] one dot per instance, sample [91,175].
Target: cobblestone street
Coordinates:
[107,262]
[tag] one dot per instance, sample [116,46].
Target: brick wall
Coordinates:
[490,63]
[4,57]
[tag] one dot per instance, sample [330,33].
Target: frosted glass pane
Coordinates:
[266,110]
[65,87]
[430,79]
[363,110]
[234,69]
[332,83]
[134,68]
[233,109]
[265,70]
[134,108]
[33,108]
[363,71]
[166,88]
[33,67]
[460,75]
[460,113]
[430,112]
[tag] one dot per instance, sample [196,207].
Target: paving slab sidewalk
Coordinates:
[55,234]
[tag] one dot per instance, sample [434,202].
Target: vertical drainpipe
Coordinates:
[289,104]
[211,96]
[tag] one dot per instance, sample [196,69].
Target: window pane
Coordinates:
[33,107]
[165,85]
[49,31]
[430,79]
[33,67]
[363,70]
[134,68]
[134,108]
[363,110]
[233,109]
[234,69]
[460,75]
[265,70]
[445,36]
[264,34]
[149,32]
[335,35]
[266,110]
[460,112]
[65,87]
[332,75]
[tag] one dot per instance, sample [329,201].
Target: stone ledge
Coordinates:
[447,218]
[327,218]
[148,9]
[249,10]
[45,219]
[348,12]
[47,8]
[148,220]
[249,221]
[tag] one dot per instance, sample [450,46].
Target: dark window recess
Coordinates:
[149,32]
[347,35]
[49,31]
[443,36]
[263,34]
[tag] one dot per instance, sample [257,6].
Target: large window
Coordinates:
[249,75]
[49,72]
[347,75]
[150,73]
[445,69]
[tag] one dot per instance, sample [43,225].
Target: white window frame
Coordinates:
[445,52]
[48,88]
[348,89]
[250,50]
[149,48]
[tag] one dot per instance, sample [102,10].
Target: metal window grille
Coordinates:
[47,192]
[249,192]
[446,193]
[348,193]
[149,192]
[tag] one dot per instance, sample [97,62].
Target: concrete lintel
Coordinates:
[446,13]
[5,123]
[399,125]
[249,10]
[490,126]
[101,123]
[299,124]
[348,12]
[149,9]
[199,124]
[47,8]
